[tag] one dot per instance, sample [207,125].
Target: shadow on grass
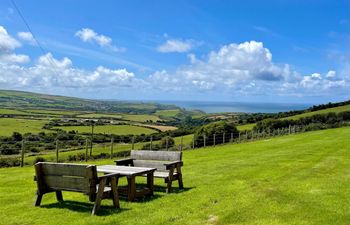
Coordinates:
[174,190]
[84,207]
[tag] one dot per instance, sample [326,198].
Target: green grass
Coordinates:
[100,115]
[9,125]
[248,126]
[110,129]
[52,112]
[12,112]
[299,179]
[323,111]
[140,118]
[167,113]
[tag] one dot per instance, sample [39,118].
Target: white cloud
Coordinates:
[331,74]
[7,45]
[26,37]
[174,45]
[89,35]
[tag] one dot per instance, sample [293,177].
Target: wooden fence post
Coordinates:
[239,137]
[193,141]
[86,149]
[132,142]
[112,142]
[182,140]
[231,138]
[204,140]
[223,138]
[166,143]
[214,138]
[56,150]
[22,153]
[150,145]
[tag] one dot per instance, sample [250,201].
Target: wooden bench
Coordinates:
[167,163]
[58,177]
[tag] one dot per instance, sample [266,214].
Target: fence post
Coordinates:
[112,142]
[214,136]
[166,143]
[86,149]
[150,145]
[193,141]
[231,138]
[182,140]
[246,135]
[204,140]
[223,138]
[56,150]
[22,153]
[132,142]
[239,137]
[278,131]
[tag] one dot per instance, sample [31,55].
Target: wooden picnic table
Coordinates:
[131,172]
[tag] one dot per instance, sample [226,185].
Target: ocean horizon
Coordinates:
[248,107]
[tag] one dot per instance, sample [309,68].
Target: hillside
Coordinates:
[28,100]
[296,179]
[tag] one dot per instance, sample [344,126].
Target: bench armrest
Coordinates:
[174,164]
[124,162]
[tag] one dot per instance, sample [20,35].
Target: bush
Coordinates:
[39,159]
[9,162]
[166,142]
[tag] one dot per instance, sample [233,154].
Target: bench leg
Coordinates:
[99,196]
[59,196]
[168,186]
[115,197]
[38,199]
[179,177]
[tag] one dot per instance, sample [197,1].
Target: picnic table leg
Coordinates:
[131,188]
[115,197]
[59,196]
[150,182]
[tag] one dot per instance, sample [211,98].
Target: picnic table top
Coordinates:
[125,170]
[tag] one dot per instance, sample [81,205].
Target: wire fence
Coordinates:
[31,151]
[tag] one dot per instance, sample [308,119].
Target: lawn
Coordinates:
[9,125]
[299,179]
[111,129]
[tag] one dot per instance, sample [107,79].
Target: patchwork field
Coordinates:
[323,111]
[110,129]
[9,125]
[298,179]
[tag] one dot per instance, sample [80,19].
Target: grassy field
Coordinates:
[100,115]
[248,126]
[9,125]
[13,112]
[323,111]
[167,113]
[140,118]
[110,129]
[300,179]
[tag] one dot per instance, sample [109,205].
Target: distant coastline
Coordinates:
[249,107]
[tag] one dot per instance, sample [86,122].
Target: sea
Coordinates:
[248,107]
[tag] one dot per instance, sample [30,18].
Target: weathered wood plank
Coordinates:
[78,184]
[156,155]
[64,169]
[159,165]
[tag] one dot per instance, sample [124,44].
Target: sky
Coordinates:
[199,50]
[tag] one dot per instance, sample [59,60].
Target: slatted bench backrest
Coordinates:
[154,159]
[66,177]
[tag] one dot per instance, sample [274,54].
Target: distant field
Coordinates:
[159,127]
[53,112]
[140,118]
[100,115]
[110,129]
[167,113]
[248,126]
[9,125]
[323,111]
[12,112]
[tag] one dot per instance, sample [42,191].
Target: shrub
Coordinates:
[39,159]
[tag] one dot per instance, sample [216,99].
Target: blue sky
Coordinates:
[256,51]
